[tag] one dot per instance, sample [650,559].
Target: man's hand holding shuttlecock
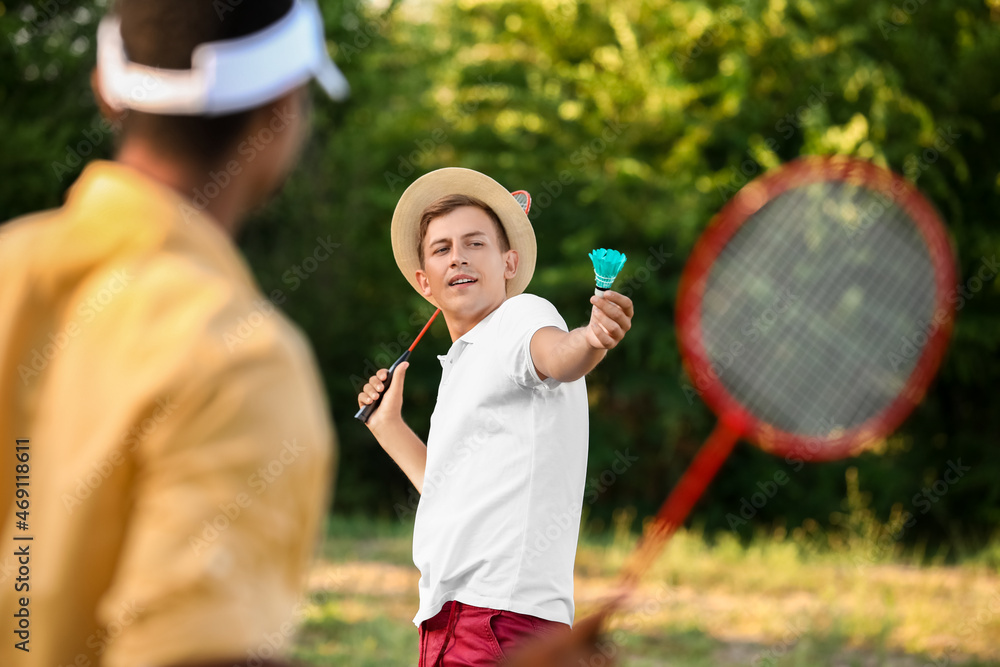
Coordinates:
[568,356]
[611,316]
[610,319]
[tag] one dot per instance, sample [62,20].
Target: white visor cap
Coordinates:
[226,76]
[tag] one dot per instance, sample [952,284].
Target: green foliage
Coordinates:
[48,119]
[631,123]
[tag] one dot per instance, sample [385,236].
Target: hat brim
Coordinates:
[428,189]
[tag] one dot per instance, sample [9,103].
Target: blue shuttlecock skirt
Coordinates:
[607,264]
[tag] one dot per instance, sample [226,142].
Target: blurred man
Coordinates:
[166,439]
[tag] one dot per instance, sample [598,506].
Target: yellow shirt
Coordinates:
[179,440]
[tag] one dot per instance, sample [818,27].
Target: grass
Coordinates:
[793,600]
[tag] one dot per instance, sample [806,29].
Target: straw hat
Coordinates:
[457,181]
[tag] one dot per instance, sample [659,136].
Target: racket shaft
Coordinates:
[678,505]
[424,330]
[365,413]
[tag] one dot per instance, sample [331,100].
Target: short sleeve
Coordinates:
[229,492]
[524,315]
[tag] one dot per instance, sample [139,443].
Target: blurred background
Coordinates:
[631,123]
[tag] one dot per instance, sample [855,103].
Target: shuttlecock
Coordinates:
[607,264]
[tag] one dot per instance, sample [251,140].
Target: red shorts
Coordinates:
[461,635]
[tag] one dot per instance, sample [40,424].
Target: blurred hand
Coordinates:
[581,647]
[610,319]
[392,403]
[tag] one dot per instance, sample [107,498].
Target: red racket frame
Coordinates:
[722,228]
[735,421]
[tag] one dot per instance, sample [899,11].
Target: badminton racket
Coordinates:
[812,315]
[365,413]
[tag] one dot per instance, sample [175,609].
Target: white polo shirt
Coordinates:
[498,520]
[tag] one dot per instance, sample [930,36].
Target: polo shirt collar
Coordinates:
[474,334]
[470,337]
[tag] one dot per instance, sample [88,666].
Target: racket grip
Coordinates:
[365,413]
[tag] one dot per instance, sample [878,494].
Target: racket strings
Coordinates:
[808,302]
[822,343]
[844,401]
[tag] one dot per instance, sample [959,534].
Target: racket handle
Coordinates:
[365,413]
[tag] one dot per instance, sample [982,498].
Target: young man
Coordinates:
[173,481]
[502,475]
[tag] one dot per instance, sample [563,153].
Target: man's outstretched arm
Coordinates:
[568,356]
